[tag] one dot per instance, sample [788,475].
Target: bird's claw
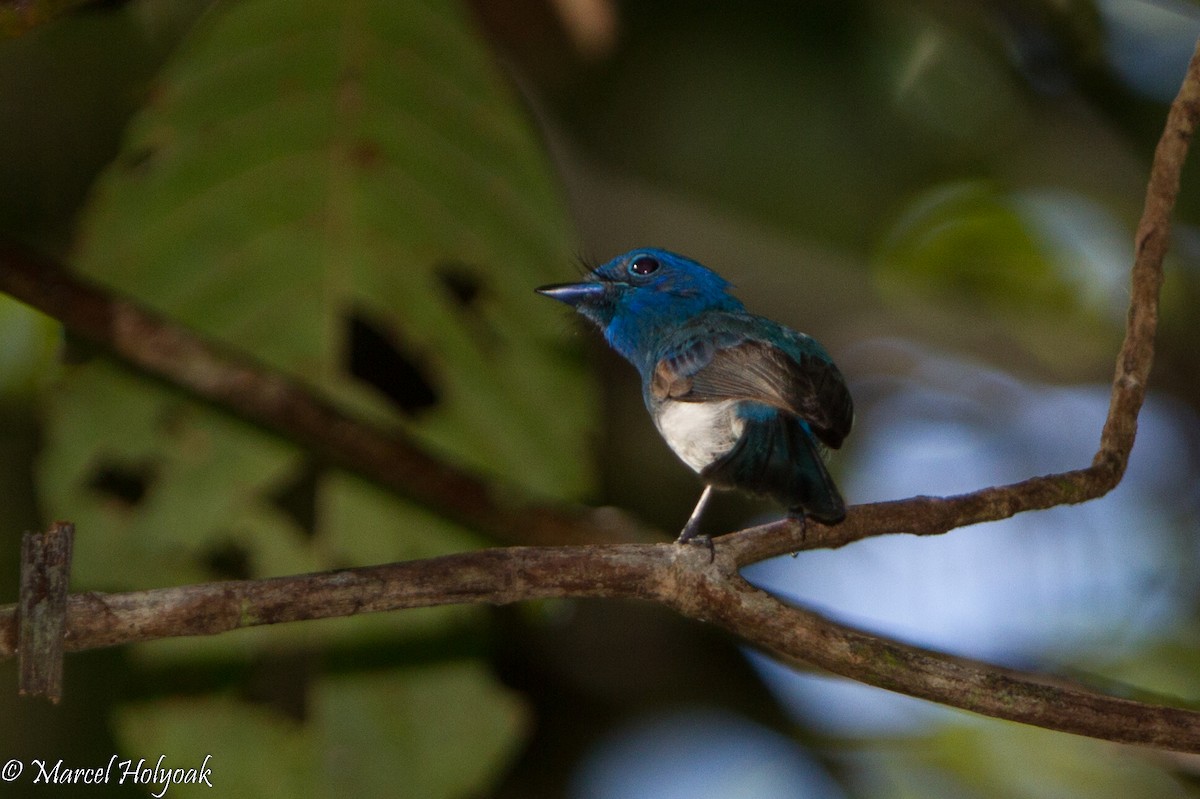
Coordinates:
[802,518]
[690,535]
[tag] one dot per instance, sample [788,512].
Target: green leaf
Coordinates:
[975,757]
[971,250]
[348,192]
[1022,762]
[435,732]
[30,345]
[966,241]
[308,176]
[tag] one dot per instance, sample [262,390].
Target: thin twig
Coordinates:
[937,515]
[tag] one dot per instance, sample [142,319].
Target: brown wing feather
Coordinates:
[810,388]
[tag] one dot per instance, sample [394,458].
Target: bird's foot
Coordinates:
[801,517]
[690,531]
[691,535]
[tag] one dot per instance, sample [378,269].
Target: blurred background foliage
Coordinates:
[365,194]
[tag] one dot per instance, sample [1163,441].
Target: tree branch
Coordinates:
[679,577]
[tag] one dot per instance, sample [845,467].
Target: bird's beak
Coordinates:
[573,293]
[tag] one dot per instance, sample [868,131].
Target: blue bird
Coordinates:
[744,401]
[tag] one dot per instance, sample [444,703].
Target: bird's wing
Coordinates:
[806,385]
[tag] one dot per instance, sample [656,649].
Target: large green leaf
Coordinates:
[421,732]
[305,171]
[316,183]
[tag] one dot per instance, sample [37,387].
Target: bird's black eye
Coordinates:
[644,265]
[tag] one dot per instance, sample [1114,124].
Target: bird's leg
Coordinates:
[693,523]
[799,515]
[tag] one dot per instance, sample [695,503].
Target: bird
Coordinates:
[744,401]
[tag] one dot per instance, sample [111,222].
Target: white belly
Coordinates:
[699,432]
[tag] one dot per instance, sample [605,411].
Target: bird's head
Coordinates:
[636,296]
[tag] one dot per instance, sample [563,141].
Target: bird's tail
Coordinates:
[776,455]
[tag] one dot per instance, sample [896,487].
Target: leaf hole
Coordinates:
[298,499]
[380,358]
[466,292]
[460,282]
[281,681]
[229,560]
[124,483]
